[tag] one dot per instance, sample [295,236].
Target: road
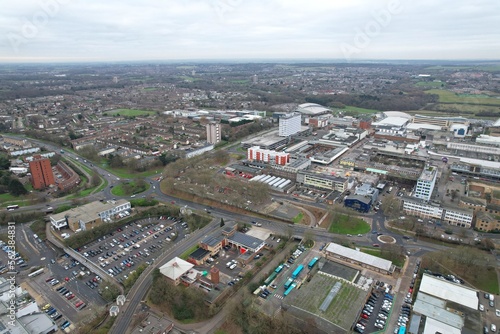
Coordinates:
[139,290]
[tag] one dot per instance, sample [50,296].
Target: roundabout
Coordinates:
[386,239]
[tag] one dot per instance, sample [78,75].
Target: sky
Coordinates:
[163,30]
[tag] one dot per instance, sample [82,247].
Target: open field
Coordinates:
[344,307]
[297,219]
[432,84]
[487,68]
[446,96]
[128,188]
[344,224]
[130,112]
[8,199]
[466,108]
[360,110]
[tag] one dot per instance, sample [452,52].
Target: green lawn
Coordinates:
[344,224]
[126,174]
[149,89]
[447,96]
[9,199]
[130,112]
[361,110]
[297,219]
[432,84]
[121,189]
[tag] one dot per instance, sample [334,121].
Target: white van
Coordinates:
[229,264]
[232,266]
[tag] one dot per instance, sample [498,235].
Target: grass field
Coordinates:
[8,199]
[361,110]
[447,96]
[241,82]
[342,310]
[297,219]
[344,224]
[130,112]
[120,190]
[149,89]
[125,174]
[432,84]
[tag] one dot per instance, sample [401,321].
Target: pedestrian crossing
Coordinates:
[278,296]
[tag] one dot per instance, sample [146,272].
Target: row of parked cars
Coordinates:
[56,316]
[369,309]
[79,305]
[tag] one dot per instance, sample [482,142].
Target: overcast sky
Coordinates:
[111,30]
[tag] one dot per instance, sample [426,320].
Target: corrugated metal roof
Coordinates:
[435,308]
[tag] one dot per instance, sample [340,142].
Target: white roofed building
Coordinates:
[312,109]
[336,251]
[175,269]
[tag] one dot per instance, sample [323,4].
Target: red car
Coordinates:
[71,296]
[410,290]
[49,279]
[364,316]
[78,304]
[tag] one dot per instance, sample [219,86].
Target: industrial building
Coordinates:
[358,203]
[312,109]
[445,307]
[461,217]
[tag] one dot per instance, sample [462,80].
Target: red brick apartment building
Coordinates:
[41,172]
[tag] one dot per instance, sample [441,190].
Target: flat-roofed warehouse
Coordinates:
[449,291]
[335,251]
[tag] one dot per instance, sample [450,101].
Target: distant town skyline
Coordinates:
[150,30]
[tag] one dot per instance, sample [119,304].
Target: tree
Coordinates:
[4,162]
[390,206]
[453,194]
[222,222]
[16,188]
[95,180]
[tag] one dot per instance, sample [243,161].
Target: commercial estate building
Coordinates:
[461,217]
[425,183]
[321,181]
[90,215]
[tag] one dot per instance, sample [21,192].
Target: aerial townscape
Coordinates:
[215,193]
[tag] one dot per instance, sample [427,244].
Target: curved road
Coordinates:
[139,290]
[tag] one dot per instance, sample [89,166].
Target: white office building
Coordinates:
[426,183]
[289,125]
